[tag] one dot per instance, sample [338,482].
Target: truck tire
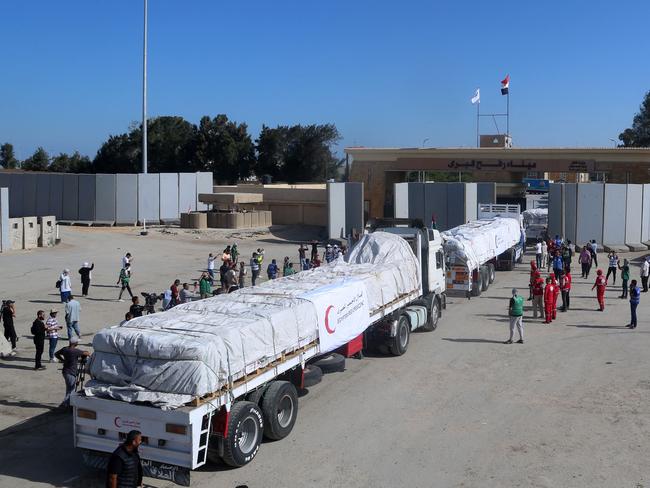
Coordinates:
[485,278]
[492,272]
[280,409]
[477,286]
[245,432]
[400,343]
[434,315]
[256,396]
[330,363]
[312,375]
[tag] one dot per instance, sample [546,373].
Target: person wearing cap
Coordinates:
[549,299]
[538,295]
[69,356]
[8,313]
[124,466]
[86,275]
[52,329]
[600,285]
[65,285]
[516,313]
[272,270]
[72,313]
[38,331]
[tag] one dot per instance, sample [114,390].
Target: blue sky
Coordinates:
[386,73]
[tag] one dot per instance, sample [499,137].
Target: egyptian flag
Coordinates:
[505,83]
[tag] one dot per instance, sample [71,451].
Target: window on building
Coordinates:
[532,174]
[564,176]
[598,176]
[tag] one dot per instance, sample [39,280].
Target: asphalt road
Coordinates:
[569,408]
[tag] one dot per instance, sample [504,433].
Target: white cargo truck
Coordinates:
[476,250]
[209,379]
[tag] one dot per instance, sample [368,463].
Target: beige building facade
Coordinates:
[379,169]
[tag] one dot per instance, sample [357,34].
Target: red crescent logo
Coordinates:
[117,422]
[327,320]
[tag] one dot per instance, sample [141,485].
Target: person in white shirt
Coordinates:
[538,253]
[544,253]
[65,285]
[126,259]
[52,329]
[645,272]
[211,260]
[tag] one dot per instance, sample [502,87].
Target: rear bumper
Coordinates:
[151,469]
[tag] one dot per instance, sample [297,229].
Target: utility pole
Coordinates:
[144,94]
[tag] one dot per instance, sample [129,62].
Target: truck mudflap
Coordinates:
[151,469]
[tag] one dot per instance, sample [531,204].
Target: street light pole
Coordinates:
[144,94]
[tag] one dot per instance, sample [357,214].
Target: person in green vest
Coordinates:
[205,289]
[625,276]
[516,313]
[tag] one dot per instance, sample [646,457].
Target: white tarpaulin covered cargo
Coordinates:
[538,216]
[479,241]
[191,349]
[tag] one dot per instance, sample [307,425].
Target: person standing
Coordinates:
[565,289]
[538,295]
[65,285]
[69,356]
[72,313]
[226,256]
[231,279]
[223,269]
[86,275]
[306,266]
[8,313]
[125,281]
[516,312]
[124,466]
[234,253]
[52,329]
[645,272]
[187,295]
[594,248]
[549,299]
[544,254]
[126,259]
[600,285]
[175,293]
[585,262]
[625,276]
[211,260]
[205,288]
[613,266]
[38,331]
[556,292]
[558,263]
[567,255]
[635,298]
[533,270]
[242,274]
[538,253]
[314,250]
[302,254]
[272,270]
[255,268]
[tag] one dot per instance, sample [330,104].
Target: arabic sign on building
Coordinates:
[521,165]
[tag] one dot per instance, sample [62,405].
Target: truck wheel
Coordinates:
[245,430]
[492,272]
[312,375]
[331,363]
[477,286]
[485,278]
[434,315]
[400,343]
[256,396]
[280,409]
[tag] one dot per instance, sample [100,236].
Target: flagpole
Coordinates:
[508,113]
[478,117]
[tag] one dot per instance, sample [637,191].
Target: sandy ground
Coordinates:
[569,408]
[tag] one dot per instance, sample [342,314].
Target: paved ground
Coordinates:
[569,408]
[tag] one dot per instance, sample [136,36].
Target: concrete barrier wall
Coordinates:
[486,193]
[87,197]
[149,197]
[633,217]
[353,208]
[16,233]
[204,184]
[645,224]
[31,232]
[471,201]
[571,209]
[416,201]
[29,194]
[435,204]
[614,215]
[55,206]
[555,209]
[335,210]
[105,191]
[43,194]
[401,197]
[126,199]
[456,204]
[5,243]
[187,196]
[70,197]
[16,185]
[589,213]
[169,187]
[47,226]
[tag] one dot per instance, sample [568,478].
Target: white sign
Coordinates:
[342,311]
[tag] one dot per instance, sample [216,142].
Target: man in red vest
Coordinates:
[565,288]
[538,295]
[600,285]
[549,299]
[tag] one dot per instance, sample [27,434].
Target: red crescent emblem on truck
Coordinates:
[117,422]
[327,320]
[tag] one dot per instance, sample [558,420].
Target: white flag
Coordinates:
[477,97]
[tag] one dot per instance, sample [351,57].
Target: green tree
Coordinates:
[639,134]
[225,148]
[75,163]
[271,147]
[7,158]
[39,161]
[119,154]
[171,145]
